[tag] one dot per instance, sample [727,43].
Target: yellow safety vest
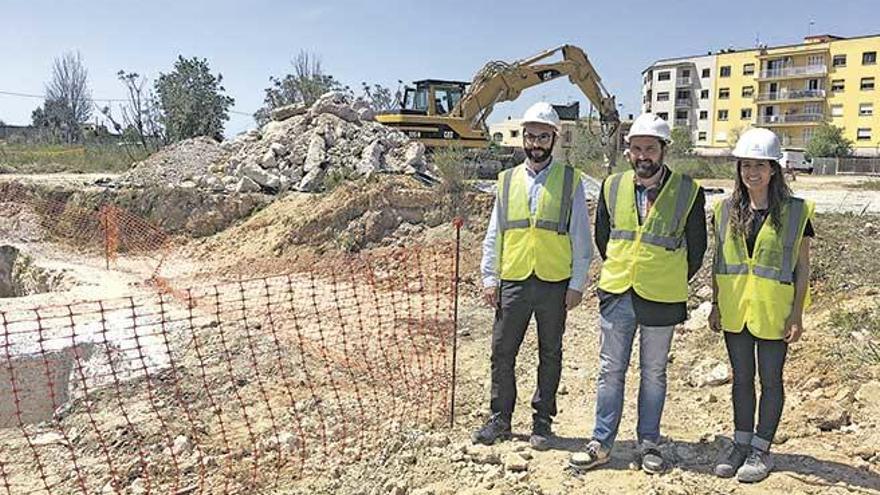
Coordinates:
[538,244]
[650,258]
[758,291]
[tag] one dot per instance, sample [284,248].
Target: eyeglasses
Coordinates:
[543,138]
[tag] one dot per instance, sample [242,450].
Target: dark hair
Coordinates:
[741,213]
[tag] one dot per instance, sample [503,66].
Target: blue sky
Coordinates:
[386,41]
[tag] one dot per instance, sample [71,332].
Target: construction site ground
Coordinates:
[829,439]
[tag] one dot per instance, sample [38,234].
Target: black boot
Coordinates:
[496,428]
[541,433]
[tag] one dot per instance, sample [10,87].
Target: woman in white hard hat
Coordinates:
[761,282]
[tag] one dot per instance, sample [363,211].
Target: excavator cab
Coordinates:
[432,97]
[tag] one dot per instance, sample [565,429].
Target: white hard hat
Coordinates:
[758,144]
[542,113]
[650,124]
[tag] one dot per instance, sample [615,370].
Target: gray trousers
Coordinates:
[517,302]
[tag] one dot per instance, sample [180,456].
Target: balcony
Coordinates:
[792,95]
[683,103]
[683,82]
[681,123]
[794,72]
[794,118]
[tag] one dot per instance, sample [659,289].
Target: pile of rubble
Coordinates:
[302,149]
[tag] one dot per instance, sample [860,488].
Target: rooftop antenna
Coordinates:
[810,28]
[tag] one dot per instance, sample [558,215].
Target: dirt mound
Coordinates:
[174,164]
[382,212]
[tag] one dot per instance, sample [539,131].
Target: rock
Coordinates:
[824,414]
[396,487]
[699,318]
[705,292]
[709,374]
[563,390]
[313,181]
[278,149]
[289,442]
[247,185]
[481,454]
[261,176]
[288,111]
[316,155]
[49,438]
[813,383]
[371,159]
[137,487]
[182,445]
[868,396]
[268,160]
[336,103]
[711,398]
[515,463]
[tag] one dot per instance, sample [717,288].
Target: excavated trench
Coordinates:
[19,276]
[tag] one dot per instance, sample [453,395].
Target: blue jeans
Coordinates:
[618,328]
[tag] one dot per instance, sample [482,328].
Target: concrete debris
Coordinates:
[300,148]
[709,374]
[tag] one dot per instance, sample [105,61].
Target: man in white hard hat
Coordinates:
[536,255]
[651,234]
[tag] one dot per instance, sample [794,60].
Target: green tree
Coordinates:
[682,143]
[53,120]
[586,150]
[192,101]
[733,135]
[379,97]
[828,141]
[305,85]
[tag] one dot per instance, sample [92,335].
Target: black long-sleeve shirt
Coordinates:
[647,312]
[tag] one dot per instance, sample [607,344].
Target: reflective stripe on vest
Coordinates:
[539,242]
[648,256]
[757,291]
[784,274]
[682,207]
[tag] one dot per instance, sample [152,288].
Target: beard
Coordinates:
[538,155]
[646,169]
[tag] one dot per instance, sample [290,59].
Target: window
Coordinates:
[838,61]
[663,115]
[837,110]
[705,73]
[663,76]
[837,85]
[722,115]
[701,136]
[869,58]
[745,114]
[704,94]
[725,71]
[682,94]
[663,96]
[704,114]
[815,60]
[685,73]
[867,84]
[748,91]
[497,137]
[514,134]
[566,137]
[748,69]
[808,134]
[864,134]
[681,115]
[723,93]
[866,110]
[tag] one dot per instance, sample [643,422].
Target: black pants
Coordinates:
[517,302]
[771,359]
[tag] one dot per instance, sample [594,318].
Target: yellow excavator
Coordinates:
[442,113]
